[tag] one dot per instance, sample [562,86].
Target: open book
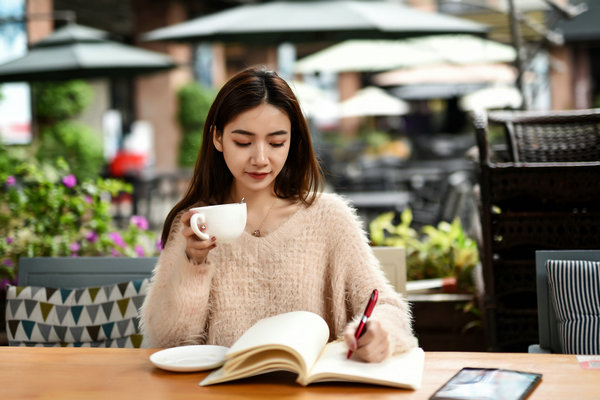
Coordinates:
[297,342]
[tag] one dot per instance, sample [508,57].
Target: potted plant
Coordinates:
[442,321]
[444,251]
[46,211]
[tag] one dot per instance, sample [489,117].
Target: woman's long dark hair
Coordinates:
[301,176]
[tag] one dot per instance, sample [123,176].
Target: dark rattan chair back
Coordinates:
[538,191]
[551,136]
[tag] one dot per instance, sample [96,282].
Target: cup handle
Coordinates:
[194,225]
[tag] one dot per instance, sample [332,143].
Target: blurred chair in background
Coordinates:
[393,263]
[568,295]
[539,190]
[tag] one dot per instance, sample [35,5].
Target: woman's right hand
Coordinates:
[196,249]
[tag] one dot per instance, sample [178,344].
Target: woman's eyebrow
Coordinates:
[248,133]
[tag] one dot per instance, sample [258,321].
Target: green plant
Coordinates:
[189,147]
[56,104]
[435,252]
[56,101]
[79,145]
[194,103]
[46,211]
[375,138]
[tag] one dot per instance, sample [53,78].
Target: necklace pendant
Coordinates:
[256,233]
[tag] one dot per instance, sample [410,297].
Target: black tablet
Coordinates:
[488,384]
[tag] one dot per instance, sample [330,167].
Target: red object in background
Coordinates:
[126,163]
[449,285]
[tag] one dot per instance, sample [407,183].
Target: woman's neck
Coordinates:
[252,198]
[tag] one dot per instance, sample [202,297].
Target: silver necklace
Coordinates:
[257,232]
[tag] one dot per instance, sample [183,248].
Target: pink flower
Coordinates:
[10,180]
[139,250]
[139,221]
[158,244]
[91,237]
[5,282]
[117,238]
[8,262]
[87,199]
[74,247]
[115,252]
[69,181]
[9,240]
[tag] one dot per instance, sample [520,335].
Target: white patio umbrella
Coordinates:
[448,73]
[494,97]
[315,103]
[372,101]
[365,55]
[382,55]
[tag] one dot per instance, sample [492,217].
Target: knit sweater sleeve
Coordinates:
[176,307]
[362,272]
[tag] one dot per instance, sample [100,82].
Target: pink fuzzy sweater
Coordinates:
[318,260]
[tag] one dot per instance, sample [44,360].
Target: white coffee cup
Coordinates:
[224,221]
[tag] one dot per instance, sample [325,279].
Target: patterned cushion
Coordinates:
[105,316]
[575,293]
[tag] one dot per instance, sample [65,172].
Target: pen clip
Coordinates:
[371,303]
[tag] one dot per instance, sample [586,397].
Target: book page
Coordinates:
[290,341]
[403,371]
[257,364]
[303,332]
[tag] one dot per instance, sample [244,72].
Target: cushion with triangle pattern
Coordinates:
[104,316]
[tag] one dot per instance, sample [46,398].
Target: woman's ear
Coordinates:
[217,138]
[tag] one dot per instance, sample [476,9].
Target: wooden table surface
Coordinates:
[84,373]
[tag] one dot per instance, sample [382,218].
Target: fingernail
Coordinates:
[212,239]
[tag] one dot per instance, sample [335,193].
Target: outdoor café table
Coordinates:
[100,373]
[391,200]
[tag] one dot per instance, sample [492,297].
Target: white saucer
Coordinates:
[190,358]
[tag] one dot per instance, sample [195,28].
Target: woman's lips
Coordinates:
[258,175]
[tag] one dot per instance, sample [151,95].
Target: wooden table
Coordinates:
[80,373]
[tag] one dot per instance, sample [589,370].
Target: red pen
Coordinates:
[363,321]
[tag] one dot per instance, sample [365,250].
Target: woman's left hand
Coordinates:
[373,345]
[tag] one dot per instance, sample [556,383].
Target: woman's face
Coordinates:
[255,146]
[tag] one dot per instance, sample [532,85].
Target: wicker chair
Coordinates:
[563,136]
[540,190]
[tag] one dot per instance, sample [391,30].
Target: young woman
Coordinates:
[302,250]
